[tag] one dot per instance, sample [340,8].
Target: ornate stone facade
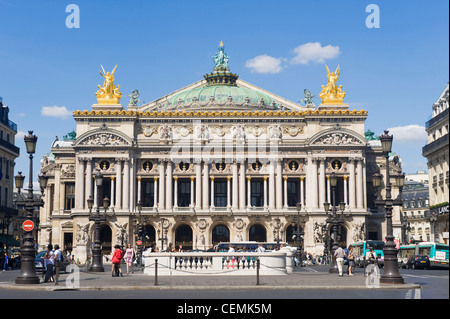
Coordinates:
[209,170]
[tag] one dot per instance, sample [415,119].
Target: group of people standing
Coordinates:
[117,257]
[52,258]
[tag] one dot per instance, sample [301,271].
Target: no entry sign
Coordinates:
[28,225]
[139,242]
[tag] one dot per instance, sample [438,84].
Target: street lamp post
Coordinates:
[298,233]
[334,220]
[97,258]
[390,275]
[433,222]
[27,274]
[139,233]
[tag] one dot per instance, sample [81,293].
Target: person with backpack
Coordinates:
[116,259]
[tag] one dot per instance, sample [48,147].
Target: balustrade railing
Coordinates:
[206,263]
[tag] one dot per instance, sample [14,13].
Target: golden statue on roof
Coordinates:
[108,94]
[332,93]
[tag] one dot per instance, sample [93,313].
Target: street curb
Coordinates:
[162,287]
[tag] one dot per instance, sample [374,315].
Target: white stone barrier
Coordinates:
[212,263]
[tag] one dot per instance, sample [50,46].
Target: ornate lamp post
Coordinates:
[390,275]
[27,274]
[162,234]
[298,233]
[334,220]
[139,233]
[97,258]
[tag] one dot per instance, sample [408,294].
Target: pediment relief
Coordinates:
[338,138]
[103,137]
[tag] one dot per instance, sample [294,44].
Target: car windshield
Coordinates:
[422,257]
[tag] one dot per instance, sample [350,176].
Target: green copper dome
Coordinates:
[221,94]
[221,89]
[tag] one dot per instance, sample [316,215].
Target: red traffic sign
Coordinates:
[139,242]
[28,225]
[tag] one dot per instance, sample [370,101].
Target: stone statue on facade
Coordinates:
[220,59]
[108,94]
[308,98]
[134,98]
[332,93]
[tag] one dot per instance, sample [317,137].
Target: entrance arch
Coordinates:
[220,233]
[106,239]
[149,236]
[291,240]
[257,233]
[183,237]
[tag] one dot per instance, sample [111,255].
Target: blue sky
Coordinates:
[396,71]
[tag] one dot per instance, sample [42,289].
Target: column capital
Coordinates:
[112,178]
[192,178]
[175,178]
[285,178]
[155,178]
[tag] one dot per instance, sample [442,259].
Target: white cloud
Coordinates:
[264,64]
[412,133]
[314,52]
[56,111]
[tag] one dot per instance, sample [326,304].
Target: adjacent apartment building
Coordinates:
[436,152]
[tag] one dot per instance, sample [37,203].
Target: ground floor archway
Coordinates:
[257,233]
[220,233]
[183,237]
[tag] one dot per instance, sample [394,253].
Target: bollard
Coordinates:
[257,271]
[156,272]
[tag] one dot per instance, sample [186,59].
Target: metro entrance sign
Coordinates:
[28,225]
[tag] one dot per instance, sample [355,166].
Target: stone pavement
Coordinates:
[311,277]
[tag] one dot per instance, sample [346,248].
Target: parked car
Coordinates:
[39,262]
[418,261]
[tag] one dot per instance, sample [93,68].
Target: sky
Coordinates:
[393,55]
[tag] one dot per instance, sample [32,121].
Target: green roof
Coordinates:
[220,94]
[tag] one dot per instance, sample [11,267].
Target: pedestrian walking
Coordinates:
[49,262]
[129,255]
[351,260]
[5,262]
[339,254]
[260,249]
[116,259]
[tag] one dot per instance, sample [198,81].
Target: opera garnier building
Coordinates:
[220,160]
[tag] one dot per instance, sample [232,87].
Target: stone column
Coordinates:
[235,186]
[88,179]
[351,185]
[302,190]
[212,191]
[198,185]
[118,167]
[169,181]
[285,192]
[279,185]
[126,184]
[112,192]
[249,191]
[329,190]
[162,185]
[271,185]
[139,188]
[242,185]
[345,190]
[192,191]
[228,191]
[175,192]
[265,191]
[322,180]
[314,188]
[205,186]
[155,192]
[359,184]
[79,183]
